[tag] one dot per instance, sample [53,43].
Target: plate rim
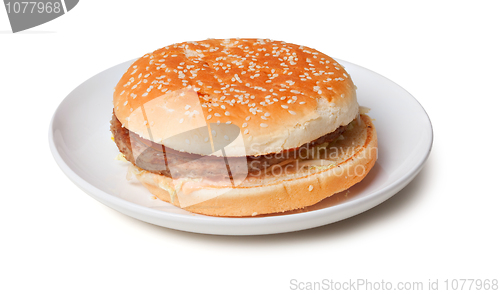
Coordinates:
[327,215]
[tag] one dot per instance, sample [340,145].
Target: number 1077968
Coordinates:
[33,7]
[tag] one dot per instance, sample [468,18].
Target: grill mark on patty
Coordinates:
[162,160]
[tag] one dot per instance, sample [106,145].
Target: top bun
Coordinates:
[247,96]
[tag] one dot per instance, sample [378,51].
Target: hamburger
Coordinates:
[241,127]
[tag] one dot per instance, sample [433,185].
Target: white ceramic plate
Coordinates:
[80,141]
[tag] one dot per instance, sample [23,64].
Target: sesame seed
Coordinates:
[245,132]
[238,59]
[181,120]
[263,125]
[311,188]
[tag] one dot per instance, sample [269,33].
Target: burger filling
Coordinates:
[162,160]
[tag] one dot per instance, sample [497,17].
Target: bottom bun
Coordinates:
[334,168]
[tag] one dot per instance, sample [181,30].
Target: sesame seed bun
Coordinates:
[292,188]
[252,96]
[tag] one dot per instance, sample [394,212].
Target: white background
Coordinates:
[444,225]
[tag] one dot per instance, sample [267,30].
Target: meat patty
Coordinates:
[163,160]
